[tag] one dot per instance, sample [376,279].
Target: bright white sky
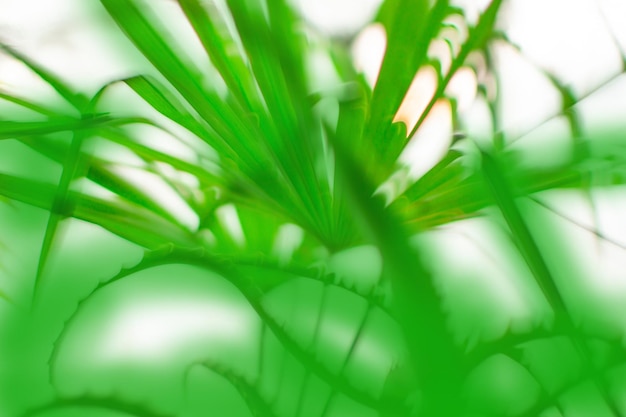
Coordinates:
[569,37]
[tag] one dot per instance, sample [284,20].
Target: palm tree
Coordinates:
[247,182]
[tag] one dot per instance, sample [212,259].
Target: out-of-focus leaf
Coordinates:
[164,101]
[27,104]
[12,130]
[222,49]
[274,49]
[477,40]
[417,306]
[501,191]
[112,404]
[129,221]
[71,166]
[100,172]
[410,26]
[76,100]
[145,32]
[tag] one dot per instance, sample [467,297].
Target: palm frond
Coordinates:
[287,175]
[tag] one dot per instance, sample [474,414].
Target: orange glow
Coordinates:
[419,94]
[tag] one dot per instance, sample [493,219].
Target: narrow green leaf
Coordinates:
[276,62]
[14,130]
[242,147]
[27,104]
[418,306]
[410,26]
[503,196]
[151,155]
[478,37]
[147,35]
[69,173]
[127,220]
[160,98]
[222,50]
[76,100]
[447,170]
[500,188]
[168,104]
[576,223]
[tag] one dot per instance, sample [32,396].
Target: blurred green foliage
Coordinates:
[328,300]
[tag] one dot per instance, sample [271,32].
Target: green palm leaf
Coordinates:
[279,184]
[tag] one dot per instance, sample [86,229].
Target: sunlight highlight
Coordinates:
[462,87]
[579,50]
[439,50]
[419,94]
[338,17]
[431,142]
[154,330]
[289,238]
[368,51]
[229,219]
